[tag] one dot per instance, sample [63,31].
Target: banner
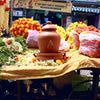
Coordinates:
[50,6]
[20,3]
[87,0]
[85,9]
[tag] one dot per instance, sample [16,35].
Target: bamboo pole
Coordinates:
[2,15]
[6,15]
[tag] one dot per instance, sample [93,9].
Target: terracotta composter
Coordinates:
[48,43]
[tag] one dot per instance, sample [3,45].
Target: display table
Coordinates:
[76,61]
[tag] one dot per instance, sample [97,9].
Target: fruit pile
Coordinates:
[61,31]
[22,25]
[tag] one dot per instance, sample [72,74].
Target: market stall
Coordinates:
[22,63]
[76,62]
[26,31]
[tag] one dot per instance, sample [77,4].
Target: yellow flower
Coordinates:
[34,59]
[58,61]
[22,26]
[25,63]
[61,31]
[1,33]
[84,32]
[20,58]
[75,48]
[26,30]
[70,39]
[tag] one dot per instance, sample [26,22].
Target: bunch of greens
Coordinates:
[5,54]
[22,41]
[1,42]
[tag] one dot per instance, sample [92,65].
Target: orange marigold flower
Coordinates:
[62,60]
[34,59]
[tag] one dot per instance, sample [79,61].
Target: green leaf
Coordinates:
[1,42]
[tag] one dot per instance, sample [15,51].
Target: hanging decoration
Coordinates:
[4,14]
[20,3]
[7,8]
[1,2]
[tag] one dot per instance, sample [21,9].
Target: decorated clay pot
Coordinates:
[49,40]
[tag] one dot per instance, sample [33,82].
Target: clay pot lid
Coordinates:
[49,26]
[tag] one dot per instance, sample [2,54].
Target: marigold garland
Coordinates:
[22,25]
[61,31]
[76,26]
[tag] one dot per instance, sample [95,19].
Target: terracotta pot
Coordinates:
[49,40]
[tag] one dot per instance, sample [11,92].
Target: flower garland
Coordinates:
[61,31]
[29,60]
[22,25]
[76,27]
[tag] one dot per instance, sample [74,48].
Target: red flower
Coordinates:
[8,42]
[16,59]
[7,8]
[4,1]
[1,2]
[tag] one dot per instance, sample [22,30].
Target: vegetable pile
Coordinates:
[6,56]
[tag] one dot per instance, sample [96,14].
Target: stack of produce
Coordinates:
[61,31]
[22,25]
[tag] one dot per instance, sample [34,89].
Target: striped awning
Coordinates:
[84,9]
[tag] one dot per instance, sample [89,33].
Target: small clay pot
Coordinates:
[49,40]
